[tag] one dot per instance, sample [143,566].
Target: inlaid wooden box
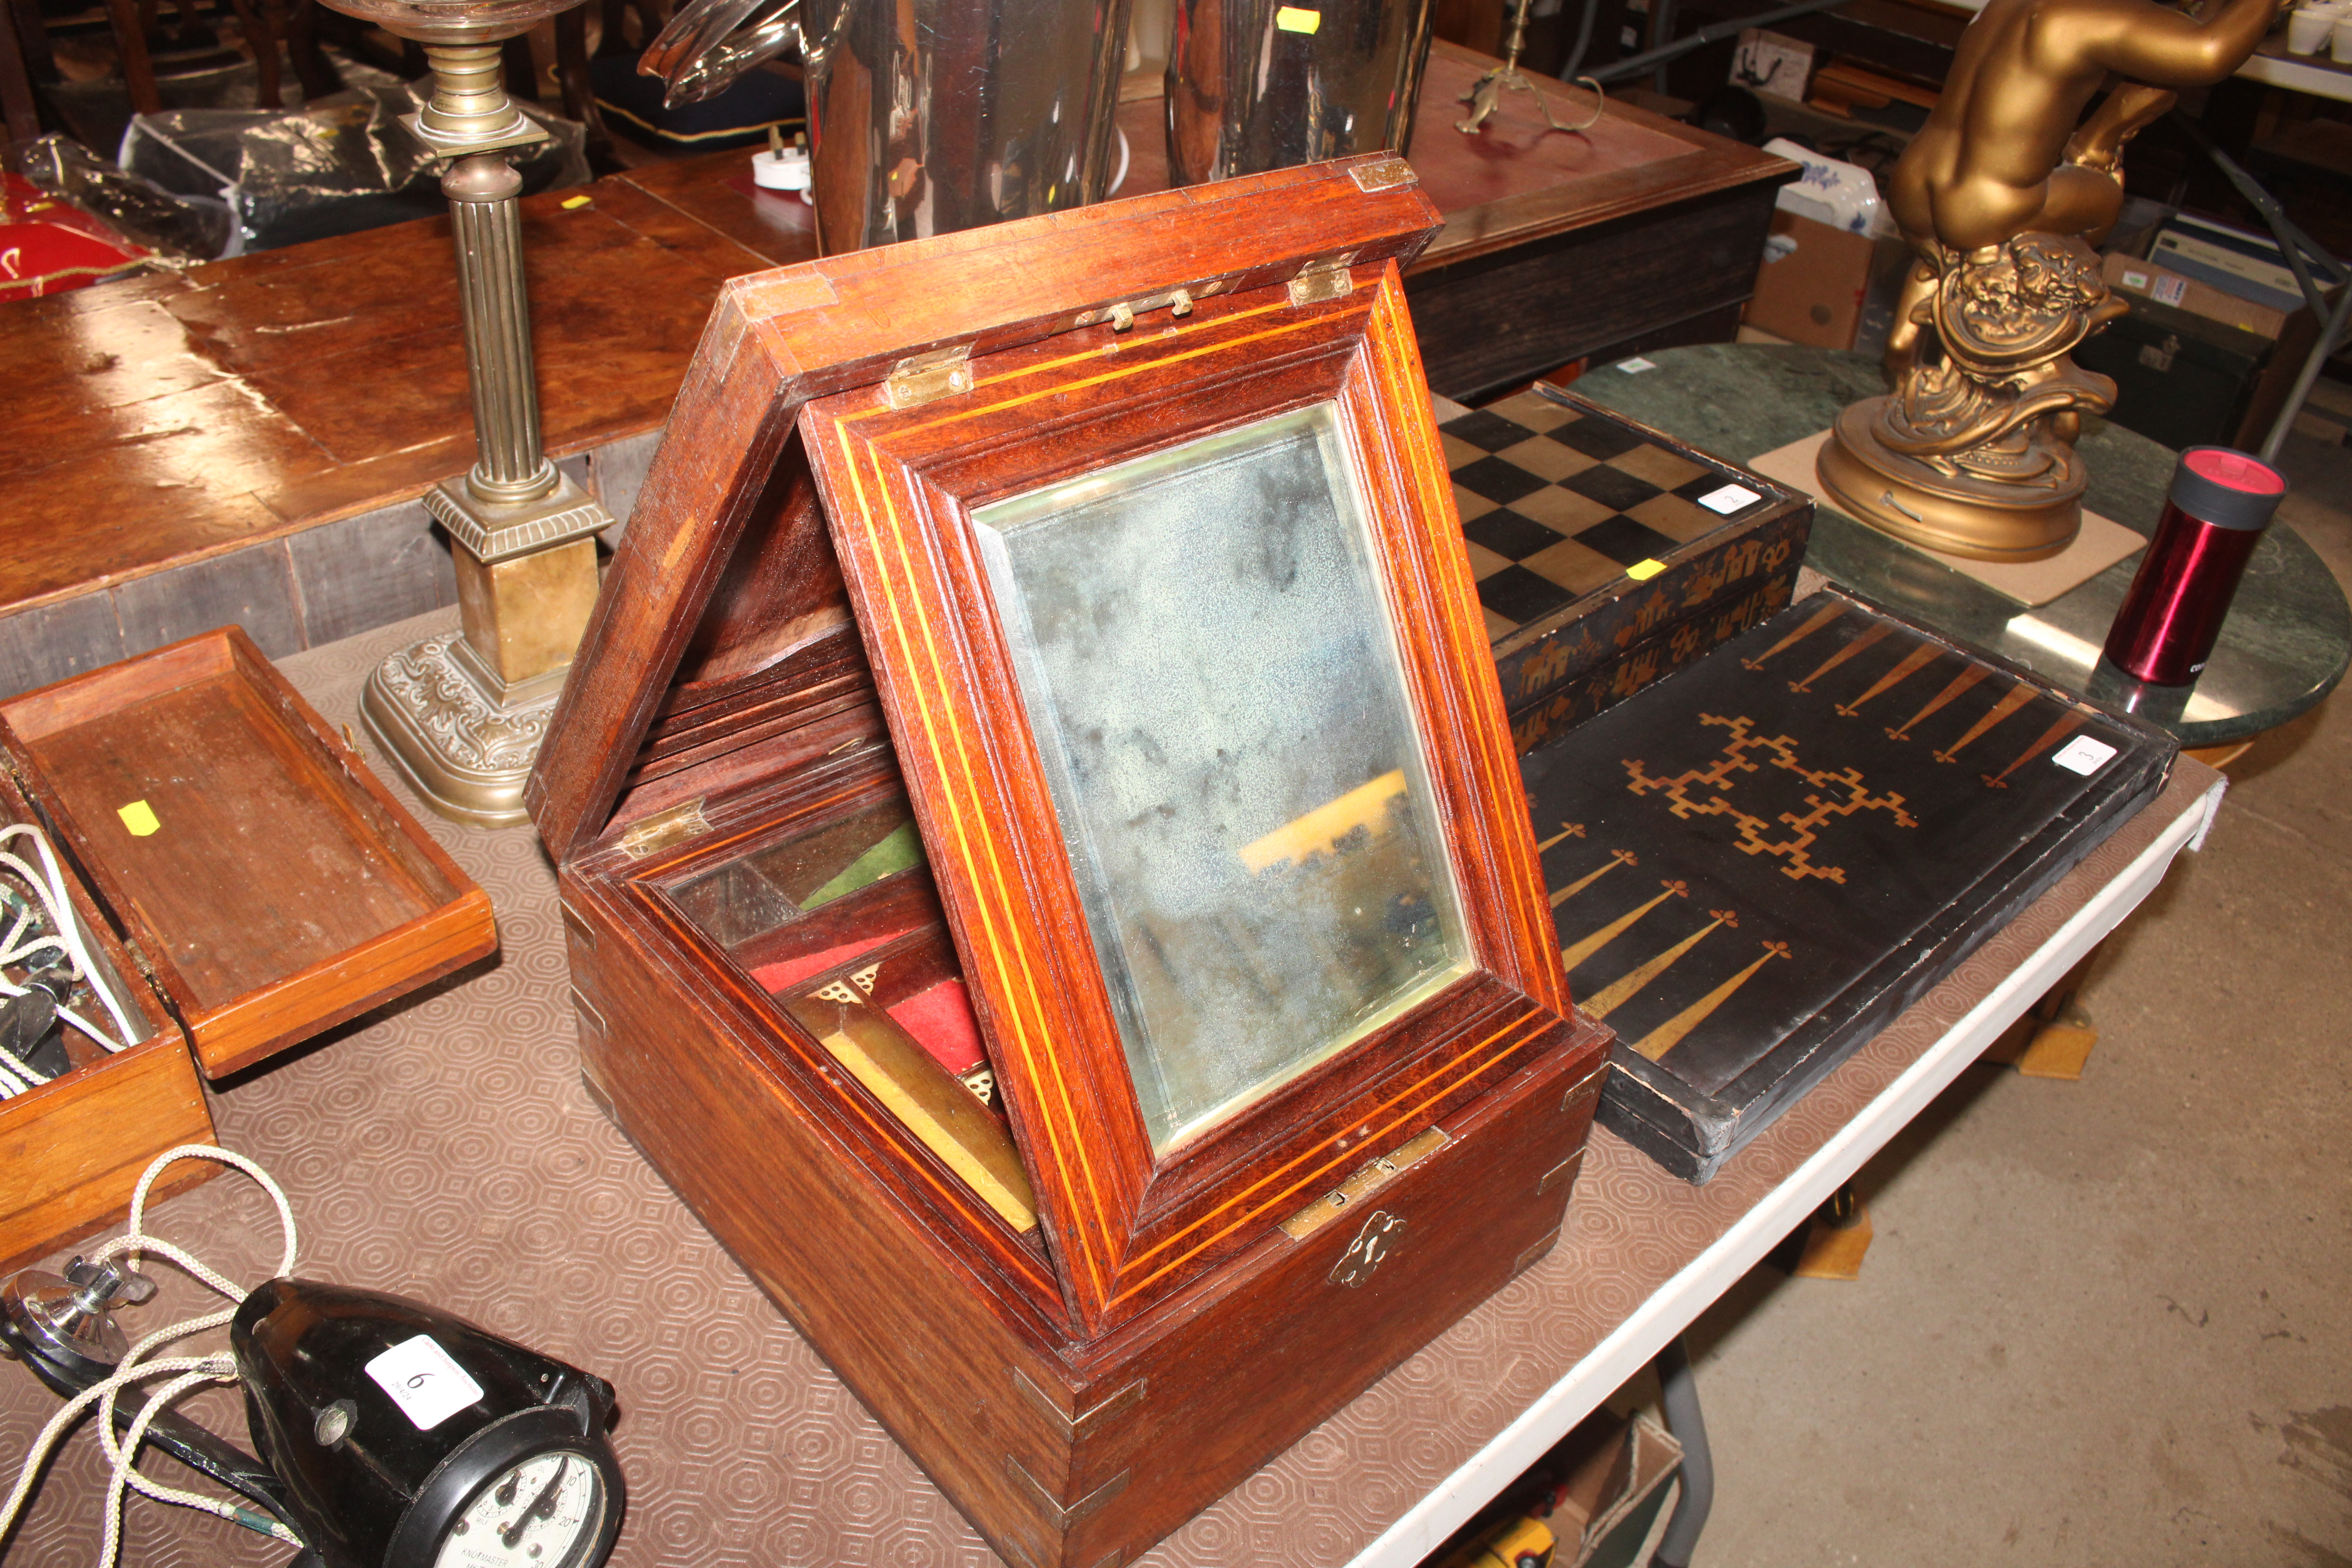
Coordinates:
[254,884]
[1609,555]
[1042,852]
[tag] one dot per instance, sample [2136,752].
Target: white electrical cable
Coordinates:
[217,1367]
[49,886]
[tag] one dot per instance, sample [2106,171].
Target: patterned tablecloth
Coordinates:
[444,1148]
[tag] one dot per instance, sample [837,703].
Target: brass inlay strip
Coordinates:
[1563,1172]
[1063,1518]
[1369,1179]
[1086,1422]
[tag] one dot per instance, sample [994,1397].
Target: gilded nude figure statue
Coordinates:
[2002,196]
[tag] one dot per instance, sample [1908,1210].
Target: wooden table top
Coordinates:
[168,418]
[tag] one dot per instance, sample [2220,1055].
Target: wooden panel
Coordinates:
[1510,316]
[72,1149]
[1180,1406]
[283,889]
[1517,180]
[899,486]
[780,337]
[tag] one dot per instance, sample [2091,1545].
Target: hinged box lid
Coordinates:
[723,612]
[1208,502]
[266,881]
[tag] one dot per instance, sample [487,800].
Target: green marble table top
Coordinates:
[2283,648]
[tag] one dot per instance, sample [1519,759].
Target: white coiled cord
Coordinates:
[25,942]
[217,1367]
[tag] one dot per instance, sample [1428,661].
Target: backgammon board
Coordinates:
[1607,554]
[1757,862]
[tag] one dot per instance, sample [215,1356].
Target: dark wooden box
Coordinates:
[254,884]
[787,827]
[1609,555]
[1759,862]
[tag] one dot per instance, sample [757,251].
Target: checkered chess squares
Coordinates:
[1557,503]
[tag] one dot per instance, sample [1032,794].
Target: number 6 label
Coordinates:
[428,1386]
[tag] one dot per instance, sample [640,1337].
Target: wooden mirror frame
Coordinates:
[900,483]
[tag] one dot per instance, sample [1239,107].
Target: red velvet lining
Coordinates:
[941,1022]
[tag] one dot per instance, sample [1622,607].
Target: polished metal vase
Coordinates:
[930,116]
[1256,85]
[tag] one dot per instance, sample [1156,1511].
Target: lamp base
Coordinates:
[1964,513]
[463,739]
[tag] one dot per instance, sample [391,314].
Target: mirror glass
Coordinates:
[1207,662]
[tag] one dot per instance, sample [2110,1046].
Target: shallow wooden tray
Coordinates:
[280,889]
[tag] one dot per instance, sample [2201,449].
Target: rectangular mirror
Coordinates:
[1207,663]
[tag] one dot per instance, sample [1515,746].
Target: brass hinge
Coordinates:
[926,377]
[1121,316]
[1325,277]
[1385,176]
[1370,1179]
[1086,1422]
[655,833]
[1063,1518]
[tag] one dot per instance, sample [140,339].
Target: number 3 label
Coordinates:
[428,1386]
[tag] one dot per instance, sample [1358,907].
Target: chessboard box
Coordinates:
[1599,568]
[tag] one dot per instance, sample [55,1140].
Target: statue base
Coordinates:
[1981,517]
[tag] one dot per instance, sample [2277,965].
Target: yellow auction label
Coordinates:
[1297,20]
[1643,571]
[573,204]
[140,817]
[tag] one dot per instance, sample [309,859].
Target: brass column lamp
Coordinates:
[462,713]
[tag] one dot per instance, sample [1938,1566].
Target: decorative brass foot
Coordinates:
[1974,455]
[461,737]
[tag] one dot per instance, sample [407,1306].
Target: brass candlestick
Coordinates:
[462,714]
[1486,95]
[2001,198]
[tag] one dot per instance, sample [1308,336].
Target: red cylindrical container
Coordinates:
[2219,503]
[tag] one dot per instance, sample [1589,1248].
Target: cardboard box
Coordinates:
[2162,284]
[1825,287]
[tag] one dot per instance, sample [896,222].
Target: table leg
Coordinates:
[1695,1495]
[2062,1032]
[1837,1238]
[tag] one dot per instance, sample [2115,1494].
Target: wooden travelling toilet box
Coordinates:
[1043,862]
[243,879]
